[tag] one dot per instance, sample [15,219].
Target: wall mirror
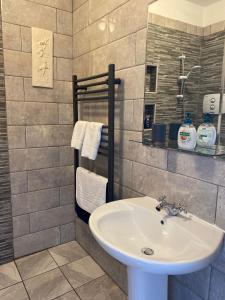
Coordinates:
[184,77]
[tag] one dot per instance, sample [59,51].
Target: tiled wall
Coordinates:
[6,237]
[165,53]
[39,126]
[114,31]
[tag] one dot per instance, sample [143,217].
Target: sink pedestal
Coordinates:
[146,286]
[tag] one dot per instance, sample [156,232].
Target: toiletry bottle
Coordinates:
[206,133]
[187,135]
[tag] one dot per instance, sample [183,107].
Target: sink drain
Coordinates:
[147,251]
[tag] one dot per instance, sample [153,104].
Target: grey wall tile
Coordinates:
[67,195]
[66,156]
[220,211]
[66,114]
[12,37]
[41,113]
[18,182]
[49,178]
[24,13]
[78,3]
[63,69]
[66,50]
[141,46]
[198,282]
[48,135]
[67,232]
[52,217]
[33,158]
[38,158]
[16,93]
[26,39]
[219,263]
[36,242]
[17,63]
[122,192]
[64,5]
[178,292]
[16,113]
[123,171]
[132,84]
[21,225]
[208,169]
[34,201]
[17,160]
[64,22]
[217,286]
[136,151]
[198,196]
[129,114]
[62,92]
[16,137]
[80,18]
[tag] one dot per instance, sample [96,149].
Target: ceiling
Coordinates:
[204,2]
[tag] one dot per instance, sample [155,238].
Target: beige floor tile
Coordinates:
[82,271]
[35,264]
[69,296]
[47,286]
[14,292]
[9,275]
[64,254]
[102,288]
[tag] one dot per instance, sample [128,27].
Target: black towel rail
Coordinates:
[81,94]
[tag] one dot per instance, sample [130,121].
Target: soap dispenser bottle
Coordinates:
[187,134]
[206,133]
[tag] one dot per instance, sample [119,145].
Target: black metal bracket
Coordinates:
[105,94]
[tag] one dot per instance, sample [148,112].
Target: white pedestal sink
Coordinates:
[132,232]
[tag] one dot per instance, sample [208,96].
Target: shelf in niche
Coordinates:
[215,151]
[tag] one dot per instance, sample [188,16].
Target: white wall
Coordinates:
[195,13]
[184,11]
[214,13]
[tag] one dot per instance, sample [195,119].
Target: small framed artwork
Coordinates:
[42,58]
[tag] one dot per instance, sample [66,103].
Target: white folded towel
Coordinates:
[92,140]
[90,189]
[78,134]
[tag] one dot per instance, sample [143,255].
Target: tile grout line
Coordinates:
[54,7]
[100,267]
[63,273]
[22,279]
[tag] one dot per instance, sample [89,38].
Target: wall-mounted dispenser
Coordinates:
[211,104]
[149,115]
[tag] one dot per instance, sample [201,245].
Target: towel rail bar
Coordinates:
[107,142]
[92,92]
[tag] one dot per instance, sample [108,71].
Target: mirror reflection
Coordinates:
[184,80]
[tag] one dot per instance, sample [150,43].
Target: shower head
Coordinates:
[186,77]
[193,69]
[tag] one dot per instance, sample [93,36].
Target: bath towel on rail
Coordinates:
[92,140]
[78,134]
[91,189]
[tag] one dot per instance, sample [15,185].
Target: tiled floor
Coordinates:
[65,272]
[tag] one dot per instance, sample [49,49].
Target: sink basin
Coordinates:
[152,244]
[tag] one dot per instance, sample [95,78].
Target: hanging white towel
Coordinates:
[92,140]
[78,134]
[90,189]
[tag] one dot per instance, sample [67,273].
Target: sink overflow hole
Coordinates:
[147,251]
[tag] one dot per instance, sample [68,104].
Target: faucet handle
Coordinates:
[162,198]
[182,208]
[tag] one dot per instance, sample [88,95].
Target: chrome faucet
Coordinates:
[171,208]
